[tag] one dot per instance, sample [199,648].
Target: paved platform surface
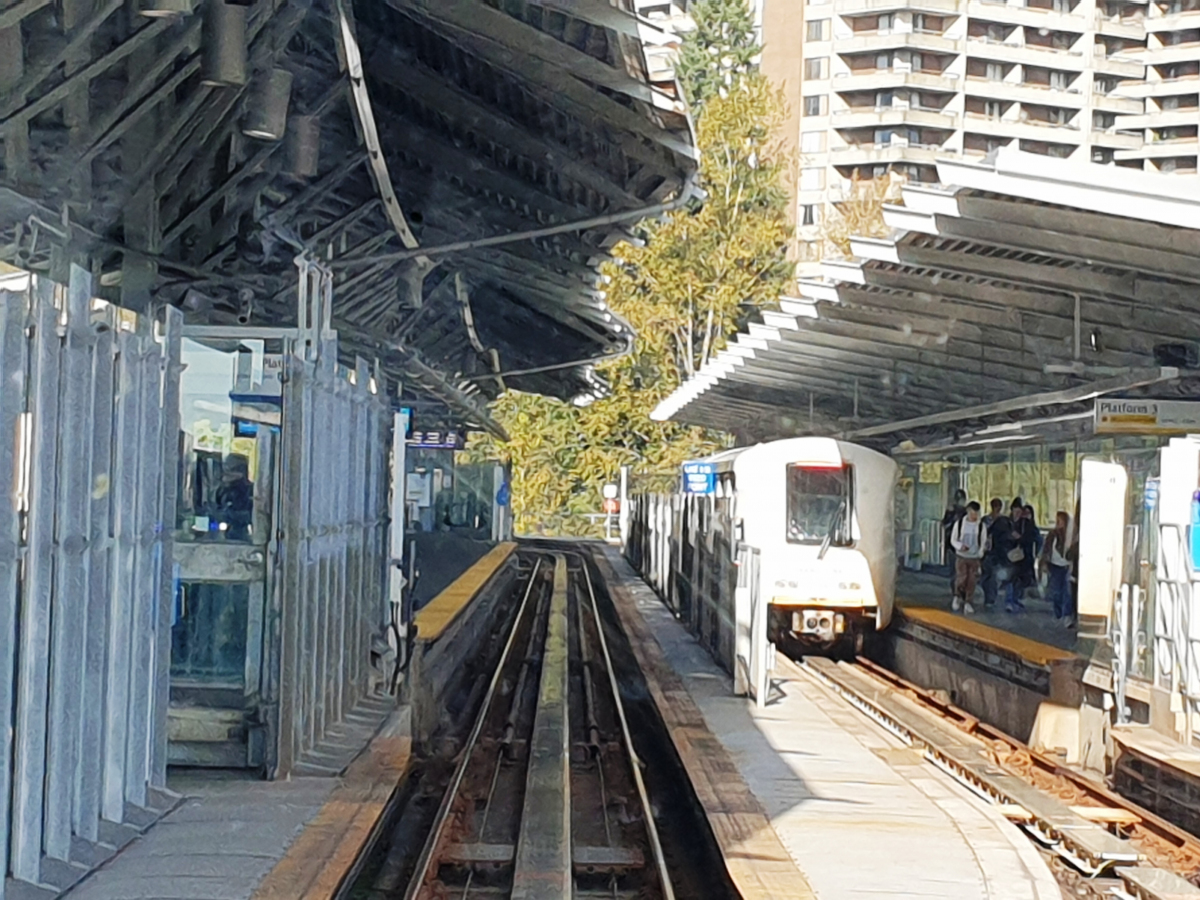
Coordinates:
[219,843]
[862,816]
[232,838]
[1037,622]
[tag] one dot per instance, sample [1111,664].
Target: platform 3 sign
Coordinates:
[699,478]
[1147,417]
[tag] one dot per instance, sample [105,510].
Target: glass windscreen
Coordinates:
[818,504]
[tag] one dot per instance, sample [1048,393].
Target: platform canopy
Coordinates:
[143,138]
[1005,301]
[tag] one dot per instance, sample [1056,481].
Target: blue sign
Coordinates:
[502,495]
[1150,494]
[699,478]
[1194,533]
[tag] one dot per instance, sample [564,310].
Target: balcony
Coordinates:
[881,79]
[1161,119]
[1165,87]
[895,40]
[866,154]
[1026,55]
[1130,29]
[977,123]
[1116,141]
[1123,66]
[1111,103]
[1162,149]
[1176,22]
[1022,15]
[856,7]
[1071,98]
[868,118]
[1178,53]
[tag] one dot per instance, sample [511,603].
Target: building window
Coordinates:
[994,72]
[884,23]
[817,30]
[814,106]
[812,179]
[809,214]
[816,68]
[883,100]
[918,62]
[812,141]
[993,109]
[883,61]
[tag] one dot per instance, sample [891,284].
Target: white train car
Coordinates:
[821,513]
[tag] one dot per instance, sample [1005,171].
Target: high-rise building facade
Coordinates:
[888,86]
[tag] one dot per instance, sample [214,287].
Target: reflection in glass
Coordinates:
[208,642]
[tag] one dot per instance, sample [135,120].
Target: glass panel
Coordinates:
[228,392]
[819,504]
[208,641]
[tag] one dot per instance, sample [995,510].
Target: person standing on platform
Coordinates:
[1020,557]
[953,516]
[1058,567]
[969,539]
[1038,544]
[994,563]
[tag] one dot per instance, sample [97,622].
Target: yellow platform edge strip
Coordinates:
[1026,648]
[441,612]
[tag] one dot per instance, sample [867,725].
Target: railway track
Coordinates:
[547,799]
[1110,845]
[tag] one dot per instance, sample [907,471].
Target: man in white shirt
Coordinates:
[969,539]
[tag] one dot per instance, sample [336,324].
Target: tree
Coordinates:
[721,50]
[696,278]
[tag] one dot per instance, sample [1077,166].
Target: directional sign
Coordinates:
[699,478]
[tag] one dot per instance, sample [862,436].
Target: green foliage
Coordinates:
[694,282]
[721,50]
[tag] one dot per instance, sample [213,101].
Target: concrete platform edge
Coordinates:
[755,857]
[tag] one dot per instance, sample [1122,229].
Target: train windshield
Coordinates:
[818,504]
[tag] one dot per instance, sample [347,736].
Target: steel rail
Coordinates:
[635,762]
[1104,796]
[421,871]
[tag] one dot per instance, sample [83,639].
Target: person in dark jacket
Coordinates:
[995,563]
[1020,556]
[235,498]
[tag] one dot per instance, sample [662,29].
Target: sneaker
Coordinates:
[956,604]
[969,609]
[1009,608]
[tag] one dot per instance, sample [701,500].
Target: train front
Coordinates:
[828,566]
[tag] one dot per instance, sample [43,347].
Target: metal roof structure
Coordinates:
[146,139]
[1022,284]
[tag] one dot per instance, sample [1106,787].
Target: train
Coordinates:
[821,513]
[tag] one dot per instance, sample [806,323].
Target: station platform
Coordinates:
[231,836]
[808,797]
[928,591]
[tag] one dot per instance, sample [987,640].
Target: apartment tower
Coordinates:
[889,86]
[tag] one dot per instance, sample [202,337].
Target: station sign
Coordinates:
[436,440]
[1147,417]
[699,478]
